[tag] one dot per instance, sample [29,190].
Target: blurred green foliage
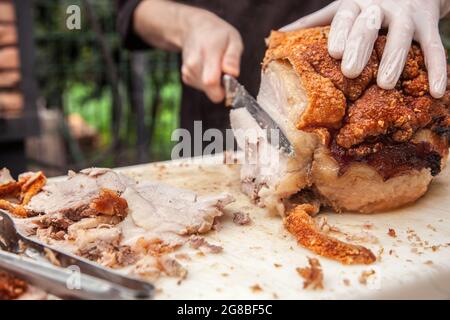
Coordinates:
[72,76]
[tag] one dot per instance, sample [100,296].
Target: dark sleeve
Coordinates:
[130,38]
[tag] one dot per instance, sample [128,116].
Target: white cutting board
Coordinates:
[265,255]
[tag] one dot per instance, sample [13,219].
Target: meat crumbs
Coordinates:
[392,233]
[365,276]
[241,218]
[312,275]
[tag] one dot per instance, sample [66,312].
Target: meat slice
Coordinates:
[88,200]
[271,176]
[359,147]
[111,219]
[162,209]
[103,245]
[88,193]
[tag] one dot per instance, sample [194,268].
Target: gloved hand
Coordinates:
[354,29]
[209,45]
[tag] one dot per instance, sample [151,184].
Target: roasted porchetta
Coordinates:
[357,147]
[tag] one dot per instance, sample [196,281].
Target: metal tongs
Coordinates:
[73,278]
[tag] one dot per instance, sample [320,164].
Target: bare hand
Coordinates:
[210,47]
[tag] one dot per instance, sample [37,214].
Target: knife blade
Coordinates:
[238,97]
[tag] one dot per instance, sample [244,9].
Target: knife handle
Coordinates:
[229,84]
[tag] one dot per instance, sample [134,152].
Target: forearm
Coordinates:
[162,23]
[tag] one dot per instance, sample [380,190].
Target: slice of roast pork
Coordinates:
[269,176]
[104,216]
[165,212]
[72,197]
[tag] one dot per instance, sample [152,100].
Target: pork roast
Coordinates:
[357,147]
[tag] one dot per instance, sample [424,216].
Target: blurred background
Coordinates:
[95,102]
[75,98]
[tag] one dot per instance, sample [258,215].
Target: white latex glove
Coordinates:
[354,29]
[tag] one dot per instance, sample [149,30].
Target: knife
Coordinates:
[238,97]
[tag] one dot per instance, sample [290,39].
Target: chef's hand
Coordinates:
[209,45]
[354,29]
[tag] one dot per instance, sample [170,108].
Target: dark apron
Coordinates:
[254,19]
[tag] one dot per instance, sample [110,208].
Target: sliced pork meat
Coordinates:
[268,175]
[358,147]
[109,218]
[88,193]
[162,209]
